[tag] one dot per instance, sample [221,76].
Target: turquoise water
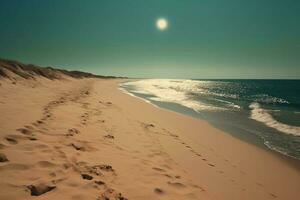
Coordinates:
[264,112]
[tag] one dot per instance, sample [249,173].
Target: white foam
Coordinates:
[262,115]
[265,98]
[229,103]
[124,91]
[173,91]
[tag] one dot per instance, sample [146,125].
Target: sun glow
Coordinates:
[162,24]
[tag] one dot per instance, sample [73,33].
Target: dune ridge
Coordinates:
[10,69]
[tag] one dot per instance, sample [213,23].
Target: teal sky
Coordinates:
[205,38]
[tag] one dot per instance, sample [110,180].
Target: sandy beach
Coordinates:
[149,100]
[86,139]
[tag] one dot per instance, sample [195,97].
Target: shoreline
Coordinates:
[186,111]
[290,161]
[89,129]
[293,161]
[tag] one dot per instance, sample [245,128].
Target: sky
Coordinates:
[204,39]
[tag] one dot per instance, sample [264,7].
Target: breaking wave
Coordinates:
[262,115]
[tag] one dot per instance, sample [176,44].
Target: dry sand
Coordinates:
[85,139]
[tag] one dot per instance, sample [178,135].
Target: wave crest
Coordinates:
[262,115]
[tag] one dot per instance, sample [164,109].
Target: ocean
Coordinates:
[263,112]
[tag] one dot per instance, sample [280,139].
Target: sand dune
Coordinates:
[70,138]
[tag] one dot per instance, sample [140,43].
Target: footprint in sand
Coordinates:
[193,151]
[24,131]
[78,147]
[147,126]
[84,118]
[199,187]
[46,114]
[109,136]
[165,173]
[108,103]
[111,194]
[168,175]
[95,169]
[106,168]
[174,135]
[3,158]
[37,190]
[273,195]
[32,138]
[100,182]
[158,191]
[87,176]
[72,131]
[37,123]
[11,140]
[82,145]
[158,169]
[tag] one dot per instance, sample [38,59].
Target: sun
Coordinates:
[162,24]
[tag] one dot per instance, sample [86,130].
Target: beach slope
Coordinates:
[66,136]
